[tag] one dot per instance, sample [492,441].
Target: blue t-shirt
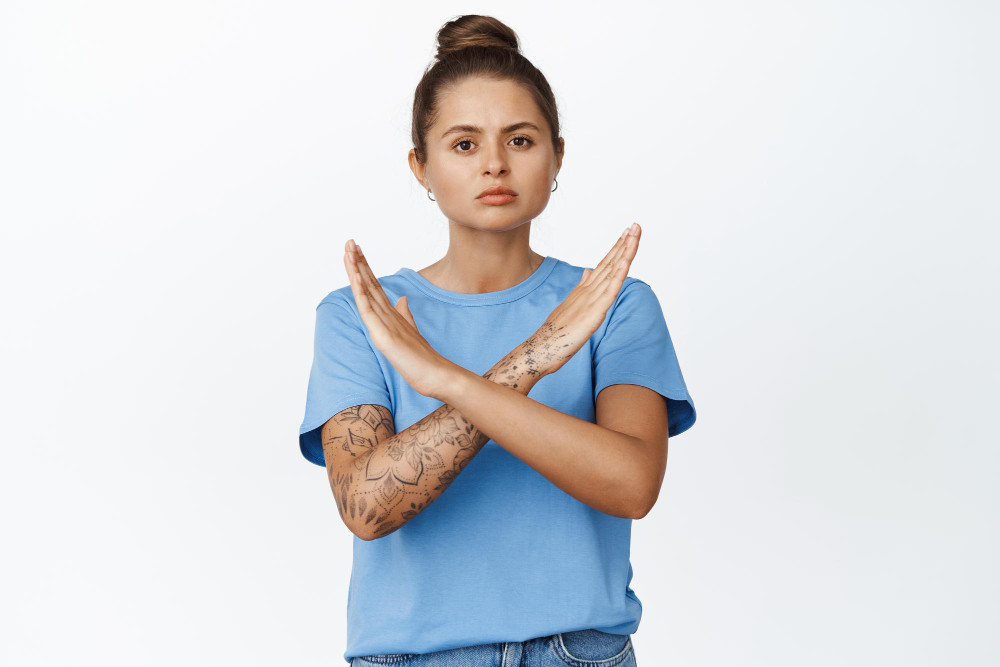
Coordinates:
[503,555]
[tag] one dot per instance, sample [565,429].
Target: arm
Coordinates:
[607,469]
[382,479]
[612,471]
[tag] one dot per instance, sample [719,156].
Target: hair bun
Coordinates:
[474,30]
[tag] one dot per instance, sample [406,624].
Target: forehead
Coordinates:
[488,103]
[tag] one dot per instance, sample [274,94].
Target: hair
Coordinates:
[473,45]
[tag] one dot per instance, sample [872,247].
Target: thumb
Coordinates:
[403,308]
[586,272]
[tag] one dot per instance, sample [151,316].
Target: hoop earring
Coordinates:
[429,196]
[557,186]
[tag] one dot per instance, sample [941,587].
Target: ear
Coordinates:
[418,169]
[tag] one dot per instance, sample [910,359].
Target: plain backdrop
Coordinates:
[818,188]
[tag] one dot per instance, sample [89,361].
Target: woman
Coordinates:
[525,559]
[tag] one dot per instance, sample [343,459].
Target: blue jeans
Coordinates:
[580,648]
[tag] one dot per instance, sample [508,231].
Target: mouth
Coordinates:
[497,195]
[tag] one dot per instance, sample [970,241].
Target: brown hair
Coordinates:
[473,45]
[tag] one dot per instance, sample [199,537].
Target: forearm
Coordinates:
[598,466]
[403,474]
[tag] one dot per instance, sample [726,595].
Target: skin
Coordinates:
[382,479]
[488,249]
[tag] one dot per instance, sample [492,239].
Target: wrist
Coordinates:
[517,370]
[452,382]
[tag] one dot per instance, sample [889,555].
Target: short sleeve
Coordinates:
[345,372]
[635,348]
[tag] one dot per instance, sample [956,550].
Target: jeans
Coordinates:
[580,648]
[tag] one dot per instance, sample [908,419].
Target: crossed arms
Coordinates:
[382,479]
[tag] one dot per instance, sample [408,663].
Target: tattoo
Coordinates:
[394,477]
[544,347]
[536,353]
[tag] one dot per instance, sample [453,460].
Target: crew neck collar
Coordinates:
[483,298]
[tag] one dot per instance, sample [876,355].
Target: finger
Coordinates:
[605,260]
[607,266]
[631,244]
[616,278]
[374,288]
[403,308]
[625,262]
[350,267]
[608,258]
[354,275]
[362,294]
[612,283]
[372,319]
[628,250]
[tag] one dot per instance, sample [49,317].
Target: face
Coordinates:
[504,141]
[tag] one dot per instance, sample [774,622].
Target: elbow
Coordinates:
[357,528]
[362,534]
[365,532]
[642,505]
[640,511]
[369,533]
[368,536]
[645,494]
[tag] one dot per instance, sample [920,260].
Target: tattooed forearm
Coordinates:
[524,361]
[390,478]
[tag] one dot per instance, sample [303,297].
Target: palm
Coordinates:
[392,328]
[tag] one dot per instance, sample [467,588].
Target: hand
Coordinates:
[576,319]
[392,328]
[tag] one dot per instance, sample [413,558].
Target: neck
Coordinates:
[481,261]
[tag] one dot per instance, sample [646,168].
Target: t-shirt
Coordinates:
[502,555]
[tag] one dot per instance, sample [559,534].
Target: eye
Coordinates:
[527,141]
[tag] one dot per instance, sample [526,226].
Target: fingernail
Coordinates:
[350,244]
[634,227]
[350,253]
[625,232]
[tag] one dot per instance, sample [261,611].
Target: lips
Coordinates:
[496,190]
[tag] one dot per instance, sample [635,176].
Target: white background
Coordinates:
[817,183]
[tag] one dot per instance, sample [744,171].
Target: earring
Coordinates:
[557,186]
[429,196]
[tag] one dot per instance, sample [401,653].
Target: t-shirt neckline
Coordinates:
[483,298]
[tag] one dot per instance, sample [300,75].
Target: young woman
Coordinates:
[493,528]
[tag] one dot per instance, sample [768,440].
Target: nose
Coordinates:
[494,160]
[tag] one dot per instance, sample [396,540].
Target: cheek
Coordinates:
[453,177]
[538,177]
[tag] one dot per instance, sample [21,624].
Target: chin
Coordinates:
[498,223]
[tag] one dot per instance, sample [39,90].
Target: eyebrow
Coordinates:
[472,129]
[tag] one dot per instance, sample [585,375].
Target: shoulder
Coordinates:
[636,298]
[635,288]
[344,296]
[636,310]
[341,296]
